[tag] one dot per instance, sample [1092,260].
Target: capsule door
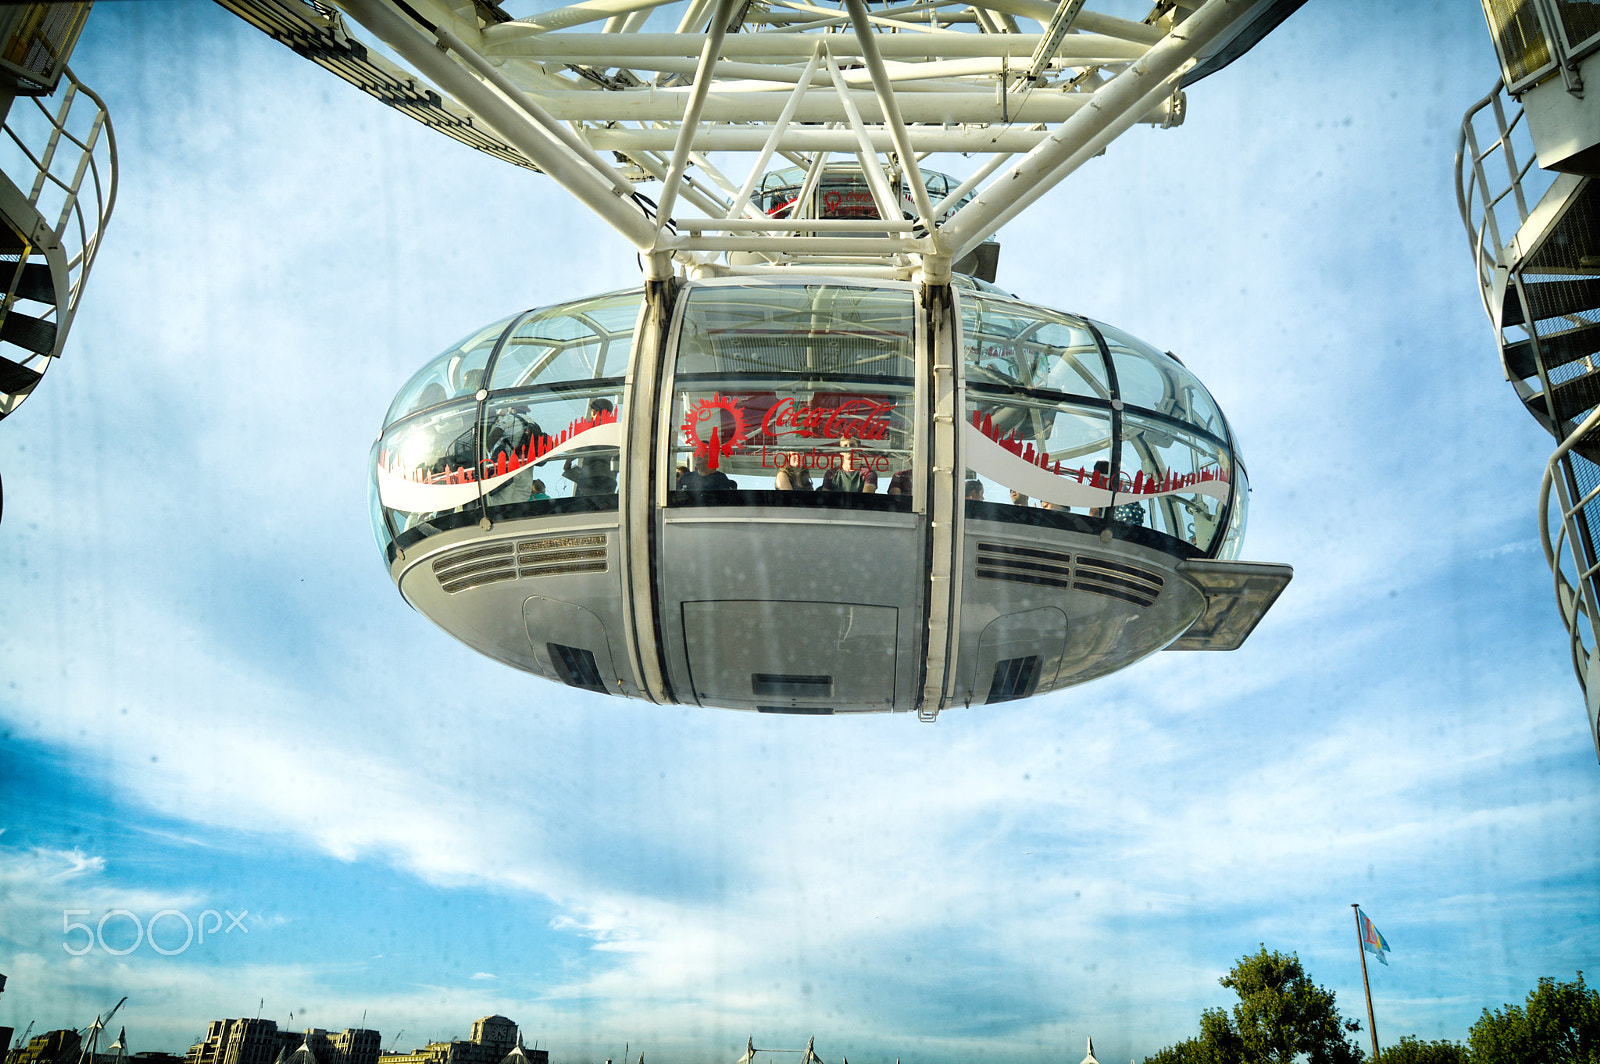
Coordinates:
[790,552]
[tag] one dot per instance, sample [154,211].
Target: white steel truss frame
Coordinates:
[802,81]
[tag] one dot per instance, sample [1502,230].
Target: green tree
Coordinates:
[1559,1025]
[1282,1017]
[1412,1050]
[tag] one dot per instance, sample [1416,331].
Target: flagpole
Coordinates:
[1361,948]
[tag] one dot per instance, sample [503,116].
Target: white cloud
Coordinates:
[194,606]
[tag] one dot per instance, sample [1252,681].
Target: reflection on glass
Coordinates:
[573,342]
[793,436]
[1233,539]
[801,389]
[542,446]
[1156,381]
[1036,452]
[797,329]
[544,439]
[456,373]
[1027,448]
[1180,481]
[1012,345]
[380,530]
[426,464]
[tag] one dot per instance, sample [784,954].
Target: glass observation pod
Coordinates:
[786,495]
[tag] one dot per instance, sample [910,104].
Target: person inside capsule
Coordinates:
[848,476]
[703,478]
[590,475]
[794,476]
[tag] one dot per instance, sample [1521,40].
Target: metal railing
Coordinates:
[1485,202]
[69,154]
[1498,187]
[1573,574]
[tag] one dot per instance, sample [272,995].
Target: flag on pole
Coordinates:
[1372,939]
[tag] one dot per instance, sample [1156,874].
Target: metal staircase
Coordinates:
[58,182]
[1535,237]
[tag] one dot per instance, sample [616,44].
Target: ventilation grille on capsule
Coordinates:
[468,567]
[1014,678]
[576,667]
[1098,576]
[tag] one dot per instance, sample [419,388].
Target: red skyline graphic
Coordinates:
[506,461]
[1139,484]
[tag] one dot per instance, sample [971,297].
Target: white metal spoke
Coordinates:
[691,111]
[778,129]
[891,113]
[707,110]
[868,155]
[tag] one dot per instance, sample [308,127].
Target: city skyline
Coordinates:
[212,701]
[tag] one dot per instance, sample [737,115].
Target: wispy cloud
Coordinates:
[196,620]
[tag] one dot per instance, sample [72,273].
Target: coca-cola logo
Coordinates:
[862,417]
[704,421]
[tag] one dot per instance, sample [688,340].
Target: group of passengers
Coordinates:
[1128,513]
[850,475]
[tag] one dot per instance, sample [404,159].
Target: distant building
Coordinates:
[246,1041]
[52,1047]
[494,1041]
[255,1041]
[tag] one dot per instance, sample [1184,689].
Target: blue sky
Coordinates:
[211,697]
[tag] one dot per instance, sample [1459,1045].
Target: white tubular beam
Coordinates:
[778,128]
[985,20]
[751,138]
[658,170]
[714,172]
[904,75]
[891,113]
[692,17]
[512,40]
[1093,147]
[832,17]
[808,187]
[924,108]
[972,182]
[556,129]
[1119,98]
[791,225]
[580,13]
[818,245]
[1041,10]
[691,110]
[882,194]
[887,273]
[576,175]
[856,79]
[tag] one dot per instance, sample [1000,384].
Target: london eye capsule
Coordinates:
[816,494]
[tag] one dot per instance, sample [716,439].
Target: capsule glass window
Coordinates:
[1239,512]
[581,341]
[798,389]
[1012,345]
[1030,452]
[456,373]
[1172,481]
[1153,380]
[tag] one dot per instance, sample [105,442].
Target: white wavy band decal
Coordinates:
[1075,487]
[417,496]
